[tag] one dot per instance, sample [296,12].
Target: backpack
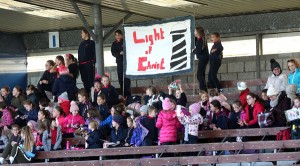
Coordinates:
[284,135]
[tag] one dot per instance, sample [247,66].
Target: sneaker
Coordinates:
[11,159]
[1,160]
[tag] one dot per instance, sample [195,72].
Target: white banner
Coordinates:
[160,48]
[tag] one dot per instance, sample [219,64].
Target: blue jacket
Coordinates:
[136,138]
[107,121]
[294,78]
[32,114]
[65,83]
[118,135]
[103,109]
[95,140]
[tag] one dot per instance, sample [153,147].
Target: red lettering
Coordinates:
[162,34]
[140,64]
[150,49]
[156,35]
[146,37]
[151,39]
[137,41]
[162,64]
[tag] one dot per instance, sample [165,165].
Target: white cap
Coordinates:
[241,85]
[272,91]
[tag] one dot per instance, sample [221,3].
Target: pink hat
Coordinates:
[195,108]
[167,105]
[74,107]
[63,70]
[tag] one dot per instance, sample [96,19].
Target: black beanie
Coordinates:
[275,64]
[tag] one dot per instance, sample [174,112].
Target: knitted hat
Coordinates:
[167,105]
[74,107]
[144,108]
[118,119]
[63,97]
[63,70]
[272,91]
[274,64]
[195,108]
[241,86]
[135,106]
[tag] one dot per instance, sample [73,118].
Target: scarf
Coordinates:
[274,103]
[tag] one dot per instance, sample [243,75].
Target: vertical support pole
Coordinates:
[99,39]
[259,52]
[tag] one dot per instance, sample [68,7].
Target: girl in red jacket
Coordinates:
[255,107]
[73,121]
[168,124]
[59,115]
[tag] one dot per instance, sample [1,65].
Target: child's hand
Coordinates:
[213,50]
[212,126]
[68,125]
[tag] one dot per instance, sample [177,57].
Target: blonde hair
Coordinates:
[201,93]
[94,124]
[28,140]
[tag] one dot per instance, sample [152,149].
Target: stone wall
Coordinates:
[235,68]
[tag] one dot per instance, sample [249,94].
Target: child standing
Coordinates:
[8,115]
[220,119]
[102,106]
[149,123]
[56,135]
[193,121]
[64,103]
[180,95]
[201,51]
[26,150]
[73,121]
[84,103]
[139,133]
[109,91]
[168,124]
[215,61]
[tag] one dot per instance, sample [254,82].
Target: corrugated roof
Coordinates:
[115,10]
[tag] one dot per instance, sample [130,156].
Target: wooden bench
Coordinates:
[182,160]
[80,141]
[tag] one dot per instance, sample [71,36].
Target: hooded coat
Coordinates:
[168,124]
[65,83]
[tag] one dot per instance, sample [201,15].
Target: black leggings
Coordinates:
[87,72]
[127,82]
[214,66]
[202,63]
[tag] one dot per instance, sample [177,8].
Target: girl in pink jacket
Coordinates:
[168,124]
[73,121]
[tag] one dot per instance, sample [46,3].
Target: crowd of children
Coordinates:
[34,123]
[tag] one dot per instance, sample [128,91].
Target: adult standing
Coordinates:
[201,51]
[117,52]
[294,76]
[277,79]
[87,60]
